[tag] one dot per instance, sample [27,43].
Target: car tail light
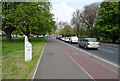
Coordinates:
[98,43]
[88,43]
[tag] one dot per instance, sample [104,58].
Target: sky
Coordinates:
[63,9]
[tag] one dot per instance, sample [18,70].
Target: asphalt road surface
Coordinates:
[109,53]
[61,61]
[55,64]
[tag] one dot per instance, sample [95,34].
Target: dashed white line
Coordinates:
[116,47]
[94,55]
[106,50]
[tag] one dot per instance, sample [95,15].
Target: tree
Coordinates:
[0,16]
[17,32]
[107,21]
[62,24]
[44,21]
[8,10]
[89,17]
[85,20]
[28,17]
[76,21]
[67,31]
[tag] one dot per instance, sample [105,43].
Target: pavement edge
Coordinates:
[94,55]
[38,62]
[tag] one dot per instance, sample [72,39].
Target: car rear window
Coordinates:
[93,40]
[74,38]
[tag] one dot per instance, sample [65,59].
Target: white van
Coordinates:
[73,39]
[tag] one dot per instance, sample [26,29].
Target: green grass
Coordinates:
[0,58]
[13,64]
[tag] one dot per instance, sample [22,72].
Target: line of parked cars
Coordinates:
[82,42]
[68,39]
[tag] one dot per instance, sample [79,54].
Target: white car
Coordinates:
[73,39]
[63,38]
[88,43]
[67,39]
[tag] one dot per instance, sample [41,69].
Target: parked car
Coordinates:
[67,39]
[58,37]
[88,43]
[73,39]
[63,38]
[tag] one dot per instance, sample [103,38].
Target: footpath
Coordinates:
[60,61]
[55,64]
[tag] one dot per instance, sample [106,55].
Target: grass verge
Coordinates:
[0,58]
[13,64]
[109,41]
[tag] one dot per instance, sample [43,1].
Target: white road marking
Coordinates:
[78,65]
[112,47]
[106,50]
[38,62]
[92,55]
[97,57]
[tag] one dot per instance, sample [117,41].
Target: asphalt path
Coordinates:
[55,64]
[61,61]
[106,52]
[93,68]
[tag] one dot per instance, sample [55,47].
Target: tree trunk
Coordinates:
[114,40]
[27,34]
[78,31]
[37,36]
[8,36]
[88,33]
[8,32]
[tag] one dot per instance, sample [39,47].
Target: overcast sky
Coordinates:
[63,9]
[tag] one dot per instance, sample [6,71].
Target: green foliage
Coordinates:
[107,21]
[0,16]
[67,31]
[82,32]
[8,16]
[84,21]
[28,17]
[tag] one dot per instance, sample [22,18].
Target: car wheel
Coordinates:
[78,44]
[85,47]
[96,48]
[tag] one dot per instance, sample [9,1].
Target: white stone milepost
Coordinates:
[28,50]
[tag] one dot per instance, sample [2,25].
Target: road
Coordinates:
[61,60]
[106,52]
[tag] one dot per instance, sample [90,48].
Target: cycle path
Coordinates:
[60,61]
[55,64]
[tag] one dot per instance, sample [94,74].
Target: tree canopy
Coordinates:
[107,21]
[67,31]
[28,17]
[84,20]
